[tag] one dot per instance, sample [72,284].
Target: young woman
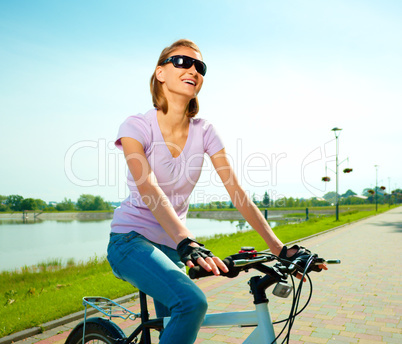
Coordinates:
[164,149]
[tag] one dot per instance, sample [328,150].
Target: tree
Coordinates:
[255,200]
[290,202]
[351,200]
[89,202]
[3,206]
[303,203]
[397,196]
[65,205]
[281,202]
[265,199]
[85,202]
[14,202]
[28,204]
[349,193]
[331,197]
[371,197]
[319,202]
[100,204]
[41,204]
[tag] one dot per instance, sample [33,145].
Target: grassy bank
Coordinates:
[342,208]
[224,245]
[30,298]
[35,296]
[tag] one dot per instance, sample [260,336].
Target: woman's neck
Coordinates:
[175,120]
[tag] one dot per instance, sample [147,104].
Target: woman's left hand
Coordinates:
[193,253]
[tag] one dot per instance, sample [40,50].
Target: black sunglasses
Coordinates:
[183,61]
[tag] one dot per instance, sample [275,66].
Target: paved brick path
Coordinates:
[358,301]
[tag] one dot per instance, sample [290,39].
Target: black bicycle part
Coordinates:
[273,274]
[307,301]
[98,329]
[258,284]
[146,324]
[295,304]
[110,333]
[199,272]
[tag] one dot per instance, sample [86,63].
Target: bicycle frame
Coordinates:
[261,318]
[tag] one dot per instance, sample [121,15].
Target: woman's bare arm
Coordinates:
[243,202]
[247,207]
[157,201]
[151,194]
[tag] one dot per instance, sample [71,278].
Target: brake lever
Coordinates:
[320,261]
[244,262]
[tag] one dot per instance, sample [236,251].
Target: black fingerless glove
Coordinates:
[187,252]
[300,258]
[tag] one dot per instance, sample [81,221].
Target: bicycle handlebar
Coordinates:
[235,263]
[199,272]
[248,260]
[277,273]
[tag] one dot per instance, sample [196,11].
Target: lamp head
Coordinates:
[335,130]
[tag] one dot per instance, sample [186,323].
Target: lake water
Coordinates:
[25,244]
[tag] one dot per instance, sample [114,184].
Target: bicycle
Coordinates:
[106,331]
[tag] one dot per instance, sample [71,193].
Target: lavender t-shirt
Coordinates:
[176,176]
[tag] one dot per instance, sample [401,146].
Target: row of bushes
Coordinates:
[84,203]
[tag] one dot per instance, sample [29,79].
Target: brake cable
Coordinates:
[295,303]
[297,300]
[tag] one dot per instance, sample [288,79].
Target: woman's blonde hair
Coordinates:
[158,98]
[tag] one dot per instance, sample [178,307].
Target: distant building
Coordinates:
[115,204]
[358,196]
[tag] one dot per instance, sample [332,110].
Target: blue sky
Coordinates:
[281,75]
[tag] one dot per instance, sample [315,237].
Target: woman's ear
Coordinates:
[159,74]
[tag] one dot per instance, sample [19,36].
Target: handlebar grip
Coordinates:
[199,272]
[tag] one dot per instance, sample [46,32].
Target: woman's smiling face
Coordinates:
[181,81]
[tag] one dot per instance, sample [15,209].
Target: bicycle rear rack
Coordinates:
[108,308]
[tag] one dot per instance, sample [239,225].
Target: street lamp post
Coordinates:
[336,132]
[389,191]
[376,187]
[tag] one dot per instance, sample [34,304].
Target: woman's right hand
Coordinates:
[299,255]
[193,253]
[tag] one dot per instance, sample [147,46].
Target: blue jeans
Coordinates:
[158,272]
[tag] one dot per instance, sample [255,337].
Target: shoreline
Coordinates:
[235,215]
[58,216]
[273,214]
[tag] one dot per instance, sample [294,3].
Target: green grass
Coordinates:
[225,245]
[37,295]
[359,207]
[49,291]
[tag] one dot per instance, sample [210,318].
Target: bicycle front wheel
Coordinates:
[97,331]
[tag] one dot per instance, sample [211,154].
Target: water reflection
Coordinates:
[25,243]
[30,221]
[20,221]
